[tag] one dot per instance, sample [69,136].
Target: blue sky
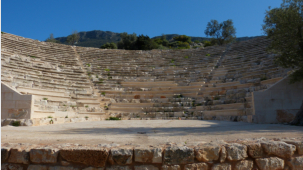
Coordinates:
[36,19]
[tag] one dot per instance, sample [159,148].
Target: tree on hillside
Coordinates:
[183,38]
[284,27]
[223,33]
[145,43]
[109,46]
[127,41]
[52,39]
[73,38]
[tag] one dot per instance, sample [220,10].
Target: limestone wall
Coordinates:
[15,105]
[279,103]
[261,154]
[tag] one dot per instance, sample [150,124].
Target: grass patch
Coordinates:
[113,118]
[44,98]
[207,55]
[32,56]
[107,69]
[88,65]
[49,116]
[186,57]
[263,78]
[16,123]
[217,98]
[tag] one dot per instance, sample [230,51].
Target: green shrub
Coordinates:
[103,93]
[207,55]
[196,41]
[217,98]
[86,106]
[207,43]
[44,98]
[263,78]
[109,46]
[32,56]
[183,38]
[66,116]
[107,69]
[186,57]
[16,123]
[113,118]
[2,32]
[88,65]
[49,117]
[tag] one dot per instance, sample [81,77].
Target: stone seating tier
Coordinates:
[211,83]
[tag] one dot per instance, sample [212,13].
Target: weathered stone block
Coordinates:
[118,168]
[255,150]
[93,168]
[244,165]
[171,167]
[146,167]
[11,167]
[43,155]
[4,154]
[121,156]
[298,144]
[272,163]
[207,152]
[6,122]
[19,156]
[178,155]
[148,155]
[221,166]
[223,154]
[37,167]
[295,163]
[91,157]
[63,168]
[236,152]
[280,149]
[196,166]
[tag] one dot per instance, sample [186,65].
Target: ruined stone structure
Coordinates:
[262,154]
[41,80]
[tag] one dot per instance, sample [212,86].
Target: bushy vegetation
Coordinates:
[109,46]
[113,118]
[141,42]
[16,123]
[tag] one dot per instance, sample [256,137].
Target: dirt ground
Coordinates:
[145,132]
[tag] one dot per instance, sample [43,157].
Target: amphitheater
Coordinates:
[235,89]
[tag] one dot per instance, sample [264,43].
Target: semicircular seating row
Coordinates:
[211,83]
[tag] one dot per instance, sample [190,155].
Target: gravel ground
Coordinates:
[145,132]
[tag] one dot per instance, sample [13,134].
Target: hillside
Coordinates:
[96,38]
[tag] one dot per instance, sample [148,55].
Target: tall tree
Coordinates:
[73,38]
[284,27]
[52,39]
[223,33]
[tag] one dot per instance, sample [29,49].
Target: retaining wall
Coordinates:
[279,103]
[15,105]
[261,154]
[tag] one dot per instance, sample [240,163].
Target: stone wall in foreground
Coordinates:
[257,154]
